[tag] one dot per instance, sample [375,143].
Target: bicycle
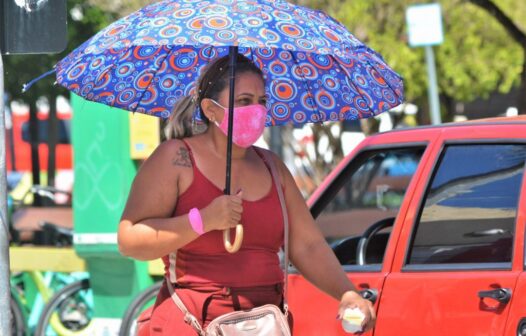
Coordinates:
[68,312]
[143,301]
[18,318]
[31,288]
[30,292]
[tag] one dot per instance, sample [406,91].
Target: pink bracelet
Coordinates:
[195,221]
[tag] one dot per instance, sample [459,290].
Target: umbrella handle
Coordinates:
[233,248]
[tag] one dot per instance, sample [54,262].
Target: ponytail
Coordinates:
[181,123]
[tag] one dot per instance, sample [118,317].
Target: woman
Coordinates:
[176,210]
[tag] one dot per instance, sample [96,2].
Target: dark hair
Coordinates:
[213,80]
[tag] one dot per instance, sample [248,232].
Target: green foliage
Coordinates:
[477,57]
[20,69]
[123,7]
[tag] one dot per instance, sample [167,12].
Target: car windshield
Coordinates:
[370,189]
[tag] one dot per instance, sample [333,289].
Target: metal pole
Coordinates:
[52,140]
[5,316]
[432,88]
[276,142]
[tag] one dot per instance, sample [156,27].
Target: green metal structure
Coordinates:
[103,175]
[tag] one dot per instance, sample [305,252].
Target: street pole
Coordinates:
[432,87]
[5,316]
[276,142]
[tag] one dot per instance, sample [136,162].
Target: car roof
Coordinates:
[521,120]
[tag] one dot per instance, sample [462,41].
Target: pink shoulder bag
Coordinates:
[267,320]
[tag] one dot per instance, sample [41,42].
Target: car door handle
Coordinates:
[488,233]
[369,294]
[502,295]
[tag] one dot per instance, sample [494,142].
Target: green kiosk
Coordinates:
[106,145]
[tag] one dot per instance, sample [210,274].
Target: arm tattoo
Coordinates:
[182,158]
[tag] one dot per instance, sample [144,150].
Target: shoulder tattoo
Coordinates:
[182,158]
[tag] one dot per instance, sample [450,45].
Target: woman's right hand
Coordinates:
[222,213]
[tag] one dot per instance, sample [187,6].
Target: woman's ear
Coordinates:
[210,110]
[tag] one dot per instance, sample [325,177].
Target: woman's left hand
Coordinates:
[352,299]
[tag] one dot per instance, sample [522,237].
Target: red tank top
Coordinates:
[205,260]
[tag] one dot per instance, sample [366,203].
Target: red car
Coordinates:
[429,223]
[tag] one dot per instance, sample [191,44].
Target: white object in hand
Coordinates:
[352,320]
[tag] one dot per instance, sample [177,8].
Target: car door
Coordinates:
[367,190]
[454,271]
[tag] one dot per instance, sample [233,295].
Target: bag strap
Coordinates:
[277,182]
[188,317]
[191,319]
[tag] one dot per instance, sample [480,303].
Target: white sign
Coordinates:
[94,238]
[424,23]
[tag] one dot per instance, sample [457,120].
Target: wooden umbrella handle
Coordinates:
[233,248]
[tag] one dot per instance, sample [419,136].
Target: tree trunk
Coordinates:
[449,104]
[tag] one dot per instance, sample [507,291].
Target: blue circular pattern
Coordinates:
[225,36]
[76,72]
[125,97]
[325,101]
[97,62]
[308,102]
[266,53]
[125,69]
[169,32]
[299,117]
[280,111]
[330,83]
[283,90]
[277,68]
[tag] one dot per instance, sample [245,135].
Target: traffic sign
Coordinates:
[424,23]
[32,26]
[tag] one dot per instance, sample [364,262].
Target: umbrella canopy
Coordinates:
[314,68]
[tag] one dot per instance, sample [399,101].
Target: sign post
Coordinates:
[5,318]
[424,24]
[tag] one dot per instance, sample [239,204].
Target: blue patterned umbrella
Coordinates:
[315,69]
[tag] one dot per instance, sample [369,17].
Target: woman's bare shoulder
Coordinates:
[278,163]
[170,153]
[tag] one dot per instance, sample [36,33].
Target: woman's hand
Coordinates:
[352,299]
[222,213]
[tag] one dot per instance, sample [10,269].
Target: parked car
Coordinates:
[429,223]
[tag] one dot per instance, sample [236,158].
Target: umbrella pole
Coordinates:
[232,248]
[231,97]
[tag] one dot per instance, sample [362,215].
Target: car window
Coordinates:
[369,190]
[470,207]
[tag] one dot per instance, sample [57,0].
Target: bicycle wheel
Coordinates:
[18,327]
[68,312]
[136,307]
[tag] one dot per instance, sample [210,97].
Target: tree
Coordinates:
[511,23]
[122,7]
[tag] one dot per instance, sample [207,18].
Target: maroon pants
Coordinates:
[205,303]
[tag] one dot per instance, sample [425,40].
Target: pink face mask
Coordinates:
[249,123]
